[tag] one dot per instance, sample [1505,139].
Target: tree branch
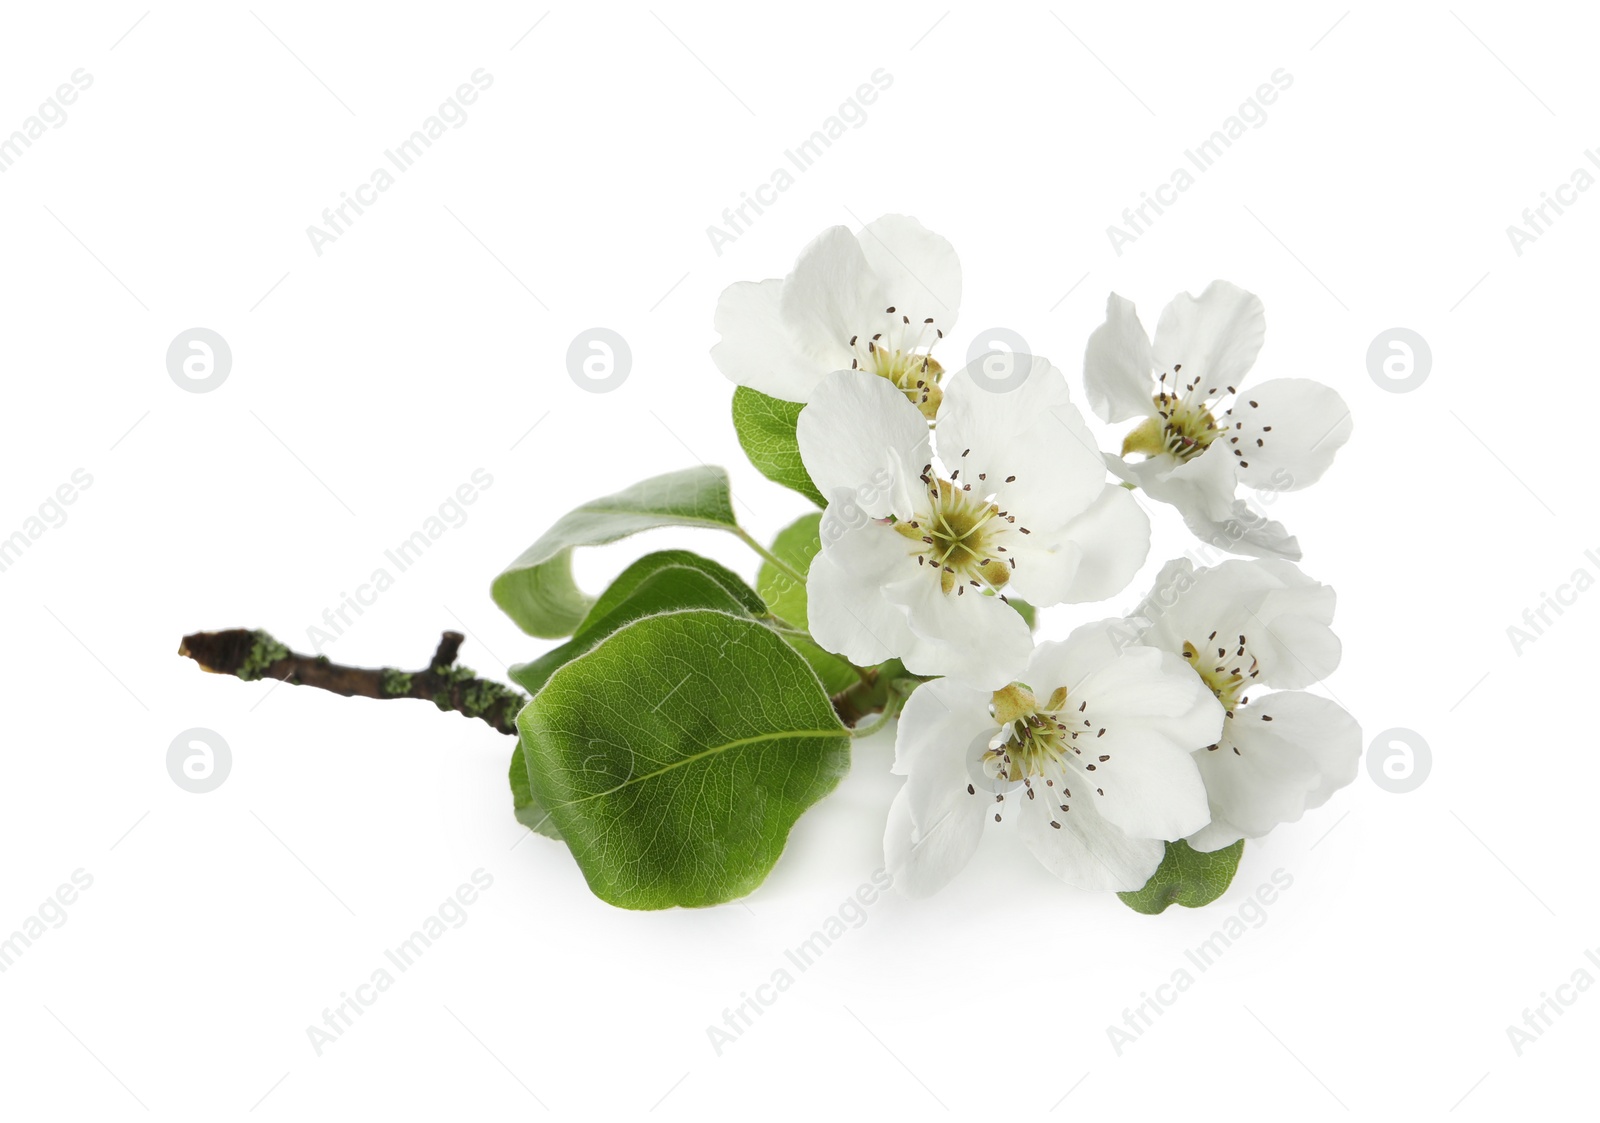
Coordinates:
[253,655]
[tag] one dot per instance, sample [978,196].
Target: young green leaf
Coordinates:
[1186,876]
[663,582]
[766,428]
[796,544]
[677,754]
[527,809]
[537,590]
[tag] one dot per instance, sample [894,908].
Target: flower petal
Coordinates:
[1092,557]
[1147,711]
[1117,365]
[1289,430]
[1214,338]
[756,349]
[923,862]
[1203,486]
[1245,531]
[972,636]
[847,601]
[1202,490]
[940,721]
[917,273]
[1293,636]
[1255,780]
[1167,591]
[831,294]
[1028,446]
[861,435]
[1308,750]
[935,823]
[1284,614]
[1333,740]
[1086,850]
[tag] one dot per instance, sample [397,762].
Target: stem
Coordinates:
[252,655]
[859,700]
[882,690]
[890,711]
[769,556]
[255,655]
[784,628]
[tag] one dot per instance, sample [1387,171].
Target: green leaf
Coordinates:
[766,433]
[662,582]
[648,566]
[529,813]
[796,545]
[537,590]
[835,673]
[675,757]
[1187,876]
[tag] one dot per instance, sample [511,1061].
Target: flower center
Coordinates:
[1032,739]
[959,535]
[905,357]
[1228,673]
[1182,429]
[1187,422]
[1037,747]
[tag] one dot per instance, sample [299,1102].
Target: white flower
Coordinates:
[1245,626]
[877,303]
[1280,436]
[1092,755]
[917,549]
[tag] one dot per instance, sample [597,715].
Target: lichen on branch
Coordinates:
[252,655]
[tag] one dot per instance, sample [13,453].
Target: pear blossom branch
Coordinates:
[252,655]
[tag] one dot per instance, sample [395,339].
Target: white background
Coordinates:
[370,381]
